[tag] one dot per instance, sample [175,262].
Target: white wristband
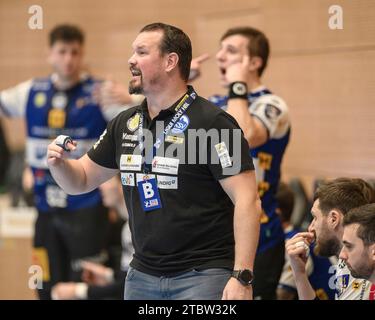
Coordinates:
[62,141]
[81,290]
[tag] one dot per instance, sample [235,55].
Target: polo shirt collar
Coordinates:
[143,106]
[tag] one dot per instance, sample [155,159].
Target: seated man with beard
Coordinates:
[332,201]
[318,269]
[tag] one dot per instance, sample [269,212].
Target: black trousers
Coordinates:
[268,266]
[64,237]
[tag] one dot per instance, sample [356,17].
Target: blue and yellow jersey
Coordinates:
[272,111]
[50,112]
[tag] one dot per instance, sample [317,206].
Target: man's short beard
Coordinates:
[135,89]
[327,244]
[365,271]
[328,247]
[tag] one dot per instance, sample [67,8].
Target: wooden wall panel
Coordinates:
[300,26]
[15,258]
[316,70]
[330,97]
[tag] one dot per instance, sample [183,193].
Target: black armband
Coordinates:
[238,90]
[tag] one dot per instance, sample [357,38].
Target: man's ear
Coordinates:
[172,61]
[334,219]
[372,252]
[255,63]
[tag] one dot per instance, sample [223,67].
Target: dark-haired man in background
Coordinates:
[264,119]
[68,228]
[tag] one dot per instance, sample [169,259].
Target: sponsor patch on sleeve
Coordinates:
[223,155]
[272,112]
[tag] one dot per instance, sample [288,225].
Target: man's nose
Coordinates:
[311,227]
[220,55]
[343,254]
[67,57]
[131,61]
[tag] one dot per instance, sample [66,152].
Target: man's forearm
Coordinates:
[304,288]
[239,109]
[246,233]
[70,176]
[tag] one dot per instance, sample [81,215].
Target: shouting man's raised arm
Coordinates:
[76,176]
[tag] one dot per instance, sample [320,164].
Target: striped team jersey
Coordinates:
[350,288]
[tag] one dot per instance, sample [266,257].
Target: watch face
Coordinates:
[246,276]
[239,88]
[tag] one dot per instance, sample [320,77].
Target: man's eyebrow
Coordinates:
[347,243]
[230,46]
[139,46]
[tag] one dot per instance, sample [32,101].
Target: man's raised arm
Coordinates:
[76,176]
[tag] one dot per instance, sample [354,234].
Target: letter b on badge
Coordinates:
[147,190]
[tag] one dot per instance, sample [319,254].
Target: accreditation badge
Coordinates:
[149,194]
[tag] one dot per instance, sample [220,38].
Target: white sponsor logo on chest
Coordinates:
[128,145]
[166,182]
[165,165]
[174,139]
[131,162]
[127,179]
[131,137]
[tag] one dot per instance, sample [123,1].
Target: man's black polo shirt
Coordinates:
[194,227]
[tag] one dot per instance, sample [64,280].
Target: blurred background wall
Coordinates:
[325,76]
